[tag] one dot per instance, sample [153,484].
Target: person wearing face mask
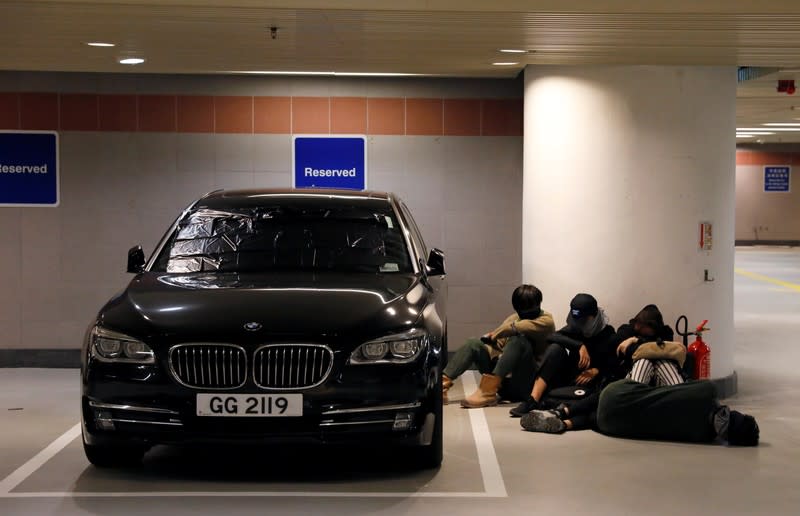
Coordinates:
[507,357]
[578,354]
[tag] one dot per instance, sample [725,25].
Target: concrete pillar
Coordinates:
[621,165]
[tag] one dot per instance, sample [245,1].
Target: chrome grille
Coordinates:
[209,366]
[291,366]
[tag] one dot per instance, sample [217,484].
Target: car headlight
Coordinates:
[392,349]
[110,346]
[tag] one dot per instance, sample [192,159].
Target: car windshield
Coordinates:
[281,237]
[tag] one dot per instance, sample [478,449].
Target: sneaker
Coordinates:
[524,407]
[543,421]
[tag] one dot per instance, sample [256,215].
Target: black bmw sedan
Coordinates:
[272,316]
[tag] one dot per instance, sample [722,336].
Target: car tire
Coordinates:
[431,455]
[114,456]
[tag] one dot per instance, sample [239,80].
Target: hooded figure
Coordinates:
[578,353]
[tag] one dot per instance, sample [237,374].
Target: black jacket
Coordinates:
[599,346]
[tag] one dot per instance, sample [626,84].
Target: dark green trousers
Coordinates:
[673,413]
[517,359]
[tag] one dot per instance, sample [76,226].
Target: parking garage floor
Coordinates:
[490,464]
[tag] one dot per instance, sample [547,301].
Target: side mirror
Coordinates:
[435,263]
[135,259]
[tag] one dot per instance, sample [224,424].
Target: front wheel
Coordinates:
[430,456]
[105,456]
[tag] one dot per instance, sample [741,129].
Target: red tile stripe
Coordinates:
[759,158]
[249,115]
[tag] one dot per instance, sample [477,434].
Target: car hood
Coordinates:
[216,307]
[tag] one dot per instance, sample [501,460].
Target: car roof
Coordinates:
[220,199]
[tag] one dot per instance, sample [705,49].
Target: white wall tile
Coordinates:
[272,153]
[426,187]
[40,334]
[464,266]
[501,267]
[10,259]
[458,333]
[272,180]
[430,223]
[11,334]
[10,300]
[464,230]
[72,333]
[464,304]
[157,151]
[387,154]
[41,303]
[196,153]
[427,152]
[190,186]
[387,182]
[234,180]
[496,303]
[234,152]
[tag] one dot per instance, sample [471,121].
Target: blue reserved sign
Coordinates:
[28,168]
[329,162]
[777,179]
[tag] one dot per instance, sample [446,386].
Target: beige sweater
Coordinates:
[536,330]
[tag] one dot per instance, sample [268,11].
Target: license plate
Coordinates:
[250,405]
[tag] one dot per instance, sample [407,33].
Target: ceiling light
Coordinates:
[279,72]
[744,136]
[100,44]
[343,74]
[760,133]
[131,61]
[376,74]
[513,51]
[776,129]
[783,124]
[505,63]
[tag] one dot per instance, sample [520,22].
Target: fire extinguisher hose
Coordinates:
[685,333]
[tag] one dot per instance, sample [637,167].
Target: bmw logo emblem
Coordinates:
[252,326]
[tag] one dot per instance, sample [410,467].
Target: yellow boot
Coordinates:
[486,395]
[446,384]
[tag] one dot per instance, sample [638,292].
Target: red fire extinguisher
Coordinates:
[702,354]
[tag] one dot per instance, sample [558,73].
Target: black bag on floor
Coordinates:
[567,394]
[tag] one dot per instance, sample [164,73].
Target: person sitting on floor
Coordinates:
[578,353]
[512,352]
[688,412]
[647,326]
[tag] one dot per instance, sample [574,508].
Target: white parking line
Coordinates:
[30,467]
[487,458]
[493,484]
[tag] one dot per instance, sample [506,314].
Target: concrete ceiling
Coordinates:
[459,38]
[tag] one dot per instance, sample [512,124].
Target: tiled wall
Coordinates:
[766,216]
[134,153]
[260,115]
